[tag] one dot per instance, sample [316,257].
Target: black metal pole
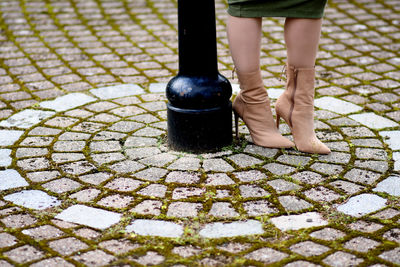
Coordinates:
[199,109]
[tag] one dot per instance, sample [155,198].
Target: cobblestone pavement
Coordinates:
[86,177]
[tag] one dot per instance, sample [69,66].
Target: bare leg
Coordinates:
[302,37]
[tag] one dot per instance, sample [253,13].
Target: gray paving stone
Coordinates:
[86,195]
[5,157]
[125,126]
[387,214]
[117,91]
[62,185]
[33,199]
[152,207]
[223,209]
[327,168]
[396,158]
[155,228]
[217,165]
[105,146]
[336,157]
[186,251]
[293,203]
[7,240]
[18,221]
[184,209]
[24,254]
[42,176]
[357,132]
[361,244]
[154,190]
[336,105]
[321,194]
[390,185]
[362,204]
[105,158]
[243,160]
[301,264]
[153,174]
[118,246]
[261,151]
[281,185]
[248,191]
[92,217]
[151,258]
[95,178]
[266,255]
[392,138]
[279,169]
[159,160]
[294,160]
[123,184]
[57,261]
[309,249]
[328,234]
[341,259]
[231,229]
[295,222]
[135,141]
[371,120]
[367,142]
[308,177]
[250,176]
[94,258]
[8,137]
[362,176]
[365,226]
[373,165]
[185,164]
[218,179]
[115,201]
[347,187]
[11,179]
[127,166]
[26,118]
[67,157]
[393,235]
[391,255]
[67,246]
[67,102]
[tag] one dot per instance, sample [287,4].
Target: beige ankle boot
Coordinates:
[296,107]
[252,106]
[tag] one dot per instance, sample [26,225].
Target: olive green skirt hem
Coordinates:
[256,9]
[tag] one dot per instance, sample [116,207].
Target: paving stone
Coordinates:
[67,157]
[292,203]
[361,176]
[154,190]
[336,157]
[391,256]
[361,244]
[152,207]
[11,179]
[26,119]
[24,254]
[105,158]
[365,226]
[93,217]
[326,168]
[62,185]
[336,105]
[371,120]
[149,132]
[234,247]
[266,255]
[374,165]
[259,207]
[308,177]
[218,179]
[52,262]
[309,249]
[5,157]
[217,165]
[223,209]
[393,235]
[231,229]
[67,246]
[357,132]
[5,264]
[134,141]
[33,164]
[295,222]
[294,160]
[108,136]
[115,201]
[33,199]
[281,185]
[362,204]
[387,214]
[328,234]
[342,259]
[117,91]
[7,240]
[250,176]
[248,191]
[151,258]
[155,228]
[321,194]
[87,233]
[392,139]
[184,209]
[390,185]
[186,251]
[127,166]
[18,221]
[185,164]
[118,246]
[94,258]
[159,160]
[95,178]
[396,158]
[153,174]
[123,184]
[347,187]
[301,264]
[243,160]
[279,169]
[67,102]
[261,151]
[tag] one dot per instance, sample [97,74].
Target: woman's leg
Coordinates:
[252,103]
[296,104]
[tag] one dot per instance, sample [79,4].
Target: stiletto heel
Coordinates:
[236,124]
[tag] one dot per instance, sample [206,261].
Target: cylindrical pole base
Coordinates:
[199,130]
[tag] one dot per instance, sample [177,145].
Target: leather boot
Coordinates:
[296,107]
[253,107]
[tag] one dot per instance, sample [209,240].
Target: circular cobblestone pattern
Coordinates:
[86,176]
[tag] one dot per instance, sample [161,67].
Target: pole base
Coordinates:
[199,130]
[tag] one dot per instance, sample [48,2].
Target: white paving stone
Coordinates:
[396,158]
[295,222]
[5,157]
[155,228]
[27,118]
[336,105]
[218,230]
[33,199]
[8,137]
[362,204]
[374,121]
[68,101]
[275,93]
[92,217]
[117,91]
[157,87]
[11,179]
[393,139]
[390,185]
